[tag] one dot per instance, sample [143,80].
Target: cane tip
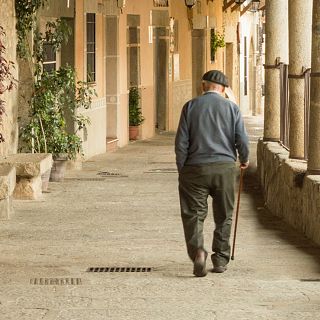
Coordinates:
[232,258]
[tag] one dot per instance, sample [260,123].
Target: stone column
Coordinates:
[276,46]
[300,26]
[314,127]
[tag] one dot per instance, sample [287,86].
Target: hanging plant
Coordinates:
[216,41]
[25,12]
[7,81]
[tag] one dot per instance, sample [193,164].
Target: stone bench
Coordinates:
[7,185]
[29,169]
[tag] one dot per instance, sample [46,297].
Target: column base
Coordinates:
[297,158]
[315,172]
[271,139]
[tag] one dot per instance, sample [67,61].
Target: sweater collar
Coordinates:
[212,91]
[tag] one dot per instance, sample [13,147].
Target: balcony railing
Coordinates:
[284,104]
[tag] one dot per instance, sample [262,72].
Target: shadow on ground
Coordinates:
[269,221]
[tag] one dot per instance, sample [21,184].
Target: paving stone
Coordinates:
[135,221]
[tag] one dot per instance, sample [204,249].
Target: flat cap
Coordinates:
[216,76]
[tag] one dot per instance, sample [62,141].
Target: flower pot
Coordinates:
[133,132]
[58,169]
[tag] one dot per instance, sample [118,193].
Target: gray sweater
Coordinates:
[211,129]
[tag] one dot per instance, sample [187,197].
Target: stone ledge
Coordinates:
[29,168]
[7,185]
[288,191]
[29,164]
[7,181]
[294,172]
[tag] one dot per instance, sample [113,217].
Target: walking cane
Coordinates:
[237,213]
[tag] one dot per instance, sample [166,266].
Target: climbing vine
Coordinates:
[25,12]
[57,96]
[56,93]
[7,81]
[57,32]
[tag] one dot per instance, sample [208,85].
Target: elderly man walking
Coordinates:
[210,134]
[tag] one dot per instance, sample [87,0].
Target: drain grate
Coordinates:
[310,280]
[162,163]
[119,269]
[84,179]
[56,281]
[162,170]
[111,174]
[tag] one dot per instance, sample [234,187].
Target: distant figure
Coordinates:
[210,132]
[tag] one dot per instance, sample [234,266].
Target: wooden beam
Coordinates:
[245,9]
[235,7]
[228,4]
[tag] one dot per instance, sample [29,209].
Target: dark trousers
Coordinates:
[196,183]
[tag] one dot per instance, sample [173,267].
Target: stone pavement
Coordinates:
[122,210]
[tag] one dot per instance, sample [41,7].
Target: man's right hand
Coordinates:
[244,165]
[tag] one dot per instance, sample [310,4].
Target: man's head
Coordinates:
[214,80]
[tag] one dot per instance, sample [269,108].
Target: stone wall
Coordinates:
[289,192]
[10,126]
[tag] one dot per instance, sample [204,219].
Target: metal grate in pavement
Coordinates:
[162,170]
[84,179]
[111,174]
[162,163]
[119,269]
[310,280]
[56,281]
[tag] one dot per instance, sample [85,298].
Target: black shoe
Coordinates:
[199,265]
[219,269]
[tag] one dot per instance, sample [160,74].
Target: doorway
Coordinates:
[161,77]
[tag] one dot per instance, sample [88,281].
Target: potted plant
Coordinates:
[135,114]
[57,97]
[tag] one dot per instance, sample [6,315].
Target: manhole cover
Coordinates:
[56,281]
[119,269]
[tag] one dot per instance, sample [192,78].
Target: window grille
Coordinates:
[91,47]
[245,67]
[50,58]
[160,3]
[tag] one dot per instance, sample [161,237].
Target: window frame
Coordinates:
[89,79]
[48,62]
